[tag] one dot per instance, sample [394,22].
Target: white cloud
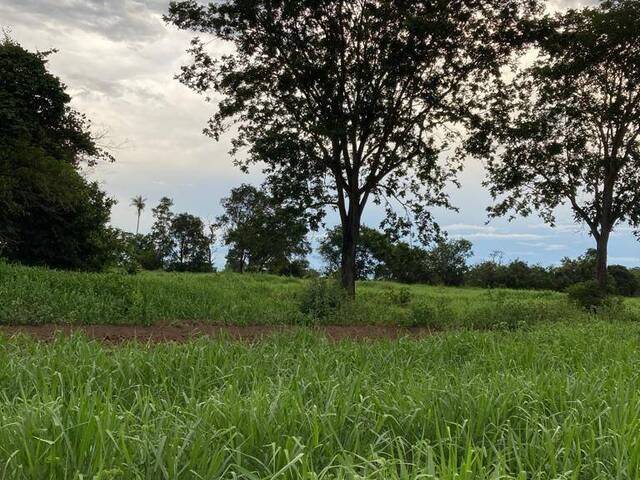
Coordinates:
[503,236]
[465,227]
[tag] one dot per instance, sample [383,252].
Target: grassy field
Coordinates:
[553,402]
[518,385]
[36,296]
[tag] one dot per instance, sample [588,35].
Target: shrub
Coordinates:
[433,313]
[626,283]
[321,299]
[399,296]
[588,295]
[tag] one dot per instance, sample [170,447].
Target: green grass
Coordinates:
[519,385]
[38,295]
[552,402]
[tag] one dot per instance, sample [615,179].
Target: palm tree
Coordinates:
[139,203]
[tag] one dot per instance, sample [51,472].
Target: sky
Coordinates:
[118,60]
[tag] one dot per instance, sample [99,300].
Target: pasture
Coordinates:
[511,384]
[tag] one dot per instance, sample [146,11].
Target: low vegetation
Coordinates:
[39,295]
[464,405]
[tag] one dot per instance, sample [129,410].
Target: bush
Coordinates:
[399,296]
[588,295]
[432,313]
[626,283]
[321,299]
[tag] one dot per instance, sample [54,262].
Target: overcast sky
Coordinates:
[118,59]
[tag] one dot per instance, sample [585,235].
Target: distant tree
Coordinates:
[448,261]
[192,244]
[384,257]
[138,249]
[624,281]
[575,270]
[567,129]
[374,247]
[263,235]
[163,240]
[181,241]
[49,213]
[139,203]
[344,101]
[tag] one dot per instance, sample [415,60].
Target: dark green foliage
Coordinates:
[144,252]
[373,248]
[623,280]
[161,231]
[192,251]
[447,261]
[588,295]
[566,130]
[381,257]
[180,241]
[342,102]
[49,214]
[264,234]
[520,275]
[321,299]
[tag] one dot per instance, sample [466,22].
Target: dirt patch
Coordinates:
[182,332]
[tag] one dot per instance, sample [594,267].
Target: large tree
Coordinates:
[262,234]
[345,101]
[566,129]
[49,213]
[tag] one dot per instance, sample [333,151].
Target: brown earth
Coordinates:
[182,332]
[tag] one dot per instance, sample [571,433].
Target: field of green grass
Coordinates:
[554,402]
[516,385]
[38,296]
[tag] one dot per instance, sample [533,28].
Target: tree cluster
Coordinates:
[177,242]
[263,234]
[518,274]
[49,213]
[381,257]
[352,102]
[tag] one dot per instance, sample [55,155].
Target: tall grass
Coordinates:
[553,402]
[38,295]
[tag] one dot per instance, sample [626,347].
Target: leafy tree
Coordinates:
[181,242]
[161,230]
[374,247]
[343,100]
[263,235]
[448,261]
[383,257]
[139,203]
[192,244]
[49,214]
[566,130]
[624,281]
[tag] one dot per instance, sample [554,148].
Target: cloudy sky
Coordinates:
[118,59]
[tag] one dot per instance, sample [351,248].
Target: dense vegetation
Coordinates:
[38,295]
[463,405]
[49,213]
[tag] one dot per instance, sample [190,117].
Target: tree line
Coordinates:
[345,104]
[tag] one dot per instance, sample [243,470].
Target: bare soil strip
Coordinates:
[185,331]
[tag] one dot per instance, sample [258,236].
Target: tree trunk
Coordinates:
[138,223]
[350,234]
[601,259]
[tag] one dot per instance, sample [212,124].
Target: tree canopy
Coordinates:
[566,130]
[181,242]
[263,235]
[345,102]
[49,214]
